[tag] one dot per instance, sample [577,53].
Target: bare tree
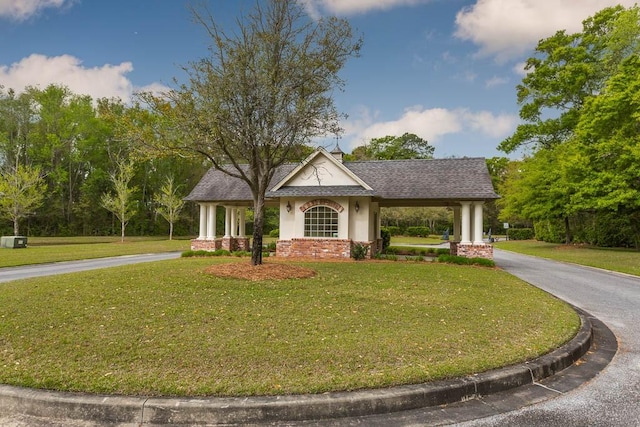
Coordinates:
[169,203]
[21,192]
[120,203]
[264,91]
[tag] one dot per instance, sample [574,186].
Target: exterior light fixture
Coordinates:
[357,206]
[288,206]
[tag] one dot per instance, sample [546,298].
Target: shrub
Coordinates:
[201,253]
[454,259]
[392,230]
[359,251]
[418,231]
[521,234]
[241,253]
[386,237]
[274,233]
[392,250]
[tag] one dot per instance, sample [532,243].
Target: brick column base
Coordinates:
[205,245]
[469,250]
[230,244]
[233,244]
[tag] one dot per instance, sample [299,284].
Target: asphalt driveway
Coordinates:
[613,397]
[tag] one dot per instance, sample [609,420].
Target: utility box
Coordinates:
[13,242]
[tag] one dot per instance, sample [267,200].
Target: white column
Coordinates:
[234,222]
[202,233]
[227,221]
[242,222]
[466,223]
[456,224]
[477,223]
[211,221]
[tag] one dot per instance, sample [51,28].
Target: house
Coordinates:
[328,205]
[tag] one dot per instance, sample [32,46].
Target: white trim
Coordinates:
[329,156]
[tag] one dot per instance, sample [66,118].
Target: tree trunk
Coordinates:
[258,226]
[567,231]
[122,226]
[15,227]
[171,230]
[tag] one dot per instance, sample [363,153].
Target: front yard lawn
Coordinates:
[170,328]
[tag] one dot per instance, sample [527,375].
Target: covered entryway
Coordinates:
[327,205]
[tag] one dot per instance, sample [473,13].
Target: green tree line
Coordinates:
[73,145]
[580,108]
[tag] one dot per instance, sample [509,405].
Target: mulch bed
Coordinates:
[271,271]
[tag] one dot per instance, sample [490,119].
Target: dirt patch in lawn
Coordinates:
[271,271]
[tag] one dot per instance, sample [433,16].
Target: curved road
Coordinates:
[613,397]
[24,272]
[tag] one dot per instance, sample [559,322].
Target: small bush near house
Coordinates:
[393,230]
[454,259]
[219,252]
[274,233]
[359,251]
[386,237]
[241,253]
[391,250]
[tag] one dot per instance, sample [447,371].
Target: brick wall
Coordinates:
[471,250]
[316,248]
[205,245]
[233,244]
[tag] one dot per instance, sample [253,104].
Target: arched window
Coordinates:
[320,221]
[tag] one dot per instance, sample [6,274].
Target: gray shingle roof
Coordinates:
[393,182]
[321,191]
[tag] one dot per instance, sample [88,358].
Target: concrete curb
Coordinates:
[136,411]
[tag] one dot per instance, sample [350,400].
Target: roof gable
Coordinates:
[321,169]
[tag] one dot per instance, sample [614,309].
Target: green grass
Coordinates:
[55,249]
[621,260]
[169,328]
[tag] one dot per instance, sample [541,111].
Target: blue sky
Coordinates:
[445,70]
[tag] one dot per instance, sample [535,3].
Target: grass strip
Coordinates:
[169,328]
[45,250]
[614,259]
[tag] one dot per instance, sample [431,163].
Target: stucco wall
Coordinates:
[321,171]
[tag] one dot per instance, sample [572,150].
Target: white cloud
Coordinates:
[40,71]
[24,9]
[520,69]
[431,124]
[496,81]
[351,7]
[508,29]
